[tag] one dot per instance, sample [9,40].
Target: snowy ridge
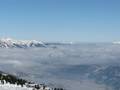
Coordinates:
[10,82]
[11,43]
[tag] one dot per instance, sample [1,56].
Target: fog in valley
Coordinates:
[73,67]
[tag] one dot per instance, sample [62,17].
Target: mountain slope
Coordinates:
[10,82]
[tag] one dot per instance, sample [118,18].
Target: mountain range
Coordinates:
[12,43]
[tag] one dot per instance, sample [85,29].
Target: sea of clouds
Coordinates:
[45,65]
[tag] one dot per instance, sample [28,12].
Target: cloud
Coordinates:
[39,64]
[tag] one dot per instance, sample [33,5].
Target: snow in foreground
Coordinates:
[13,87]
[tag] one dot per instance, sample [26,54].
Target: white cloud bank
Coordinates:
[39,63]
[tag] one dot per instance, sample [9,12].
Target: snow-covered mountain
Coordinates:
[10,82]
[11,43]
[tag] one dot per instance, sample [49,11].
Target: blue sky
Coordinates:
[61,20]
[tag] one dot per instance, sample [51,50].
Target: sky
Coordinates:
[61,20]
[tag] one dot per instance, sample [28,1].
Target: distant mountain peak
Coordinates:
[12,43]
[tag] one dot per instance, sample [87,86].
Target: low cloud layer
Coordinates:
[37,64]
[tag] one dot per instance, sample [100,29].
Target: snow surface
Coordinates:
[13,87]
